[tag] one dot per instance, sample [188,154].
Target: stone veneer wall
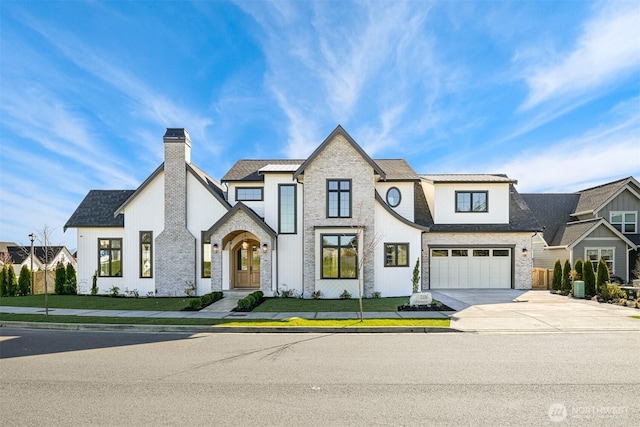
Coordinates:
[338,160]
[175,246]
[519,240]
[241,221]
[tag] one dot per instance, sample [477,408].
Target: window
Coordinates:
[287,209]
[396,254]
[480,252]
[339,256]
[459,252]
[439,252]
[205,267]
[595,254]
[249,193]
[146,254]
[468,201]
[393,197]
[110,257]
[626,222]
[501,252]
[339,198]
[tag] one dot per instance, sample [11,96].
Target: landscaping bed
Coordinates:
[100,302]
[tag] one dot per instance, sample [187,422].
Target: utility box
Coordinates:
[578,289]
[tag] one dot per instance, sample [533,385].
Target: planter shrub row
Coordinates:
[250,302]
[205,300]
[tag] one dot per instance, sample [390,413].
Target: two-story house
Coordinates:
[595,223]
[320,224]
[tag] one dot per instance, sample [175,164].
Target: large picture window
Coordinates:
[472,201]
[607,254]
[206,255]
[146,254]
[339,256]
[287,209]
[339,198]
[248,194]
[396,254]
[626,222]
[110,257]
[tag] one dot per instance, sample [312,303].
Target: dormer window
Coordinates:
[472,201]
[626,222]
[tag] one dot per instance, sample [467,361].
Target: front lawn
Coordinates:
[296,305]
[99,302]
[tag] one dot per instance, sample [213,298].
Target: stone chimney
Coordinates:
[175,250]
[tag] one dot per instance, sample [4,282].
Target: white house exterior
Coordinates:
[315,225]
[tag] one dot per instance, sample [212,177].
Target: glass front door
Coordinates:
[247,265]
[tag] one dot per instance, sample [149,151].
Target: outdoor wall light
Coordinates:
[265,248]
[524,251]
[215,248]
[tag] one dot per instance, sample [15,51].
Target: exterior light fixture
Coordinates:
[216,248]
[524,251]
[245,244]
[265,248]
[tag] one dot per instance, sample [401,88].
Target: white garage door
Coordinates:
[459,268]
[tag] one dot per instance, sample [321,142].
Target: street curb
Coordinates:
[223,329]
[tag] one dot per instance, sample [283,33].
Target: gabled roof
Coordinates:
[575,231]
[520,219]
[249,212]
[594,198]
[552,210]
[19,254]
[468,178]
[97,208]
[339,131]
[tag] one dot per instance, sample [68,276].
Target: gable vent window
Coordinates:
[472,201]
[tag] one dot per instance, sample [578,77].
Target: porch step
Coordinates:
[229,301]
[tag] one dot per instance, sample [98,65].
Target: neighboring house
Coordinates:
[51,255]
[599,222]
[314,224]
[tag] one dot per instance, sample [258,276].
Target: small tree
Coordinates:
[589,278]
[566,277]
[415,280]
[579,266]
[61,279]
[556,284]
[636,269]
[71,285]
[603,274]
[12,282]
[4,289]
[24,281]
[94,283]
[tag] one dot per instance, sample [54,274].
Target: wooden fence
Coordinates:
[541,278]
[38,281]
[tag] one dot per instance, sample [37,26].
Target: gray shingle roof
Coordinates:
[572,231]
[553,211]
[97,209]
[19,253]
[593,198]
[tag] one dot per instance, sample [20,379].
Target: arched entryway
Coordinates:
[246,265]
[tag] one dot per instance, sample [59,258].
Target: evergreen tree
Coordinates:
[72,282]
[566,277]
[12,282]
[4,289]
[589,278]
[579,266]
[24,281]
[556,284]
[603,274]
[61,278]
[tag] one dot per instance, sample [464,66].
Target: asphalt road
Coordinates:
[58,378]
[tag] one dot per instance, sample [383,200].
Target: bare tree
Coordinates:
[44,237]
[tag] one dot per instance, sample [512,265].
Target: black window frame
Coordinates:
[295,208]
[340,248]
[339,191]
[141,261]
[399,197]
[471,193]
[110,249]
[204,241]
[395,248]
[248,199]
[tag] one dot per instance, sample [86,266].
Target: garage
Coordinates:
[474,267]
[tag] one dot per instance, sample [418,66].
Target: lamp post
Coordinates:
[32,237]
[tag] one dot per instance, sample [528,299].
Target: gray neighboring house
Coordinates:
[598,222]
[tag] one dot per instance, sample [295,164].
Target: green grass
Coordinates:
[295,321]
[296,305]
[98,302]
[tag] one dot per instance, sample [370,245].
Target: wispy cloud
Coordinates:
[607,49]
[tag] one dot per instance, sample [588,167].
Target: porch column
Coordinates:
[216,266]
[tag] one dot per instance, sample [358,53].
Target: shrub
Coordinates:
[24,281]
[579,267]
[4,290]
[316,295]
[195,304]
[94,284]
[12,282]
[376,295]
[603,274]
[250,302]
[415,279]
[345,295]
[589,278]
[114,291]
[566,278]
[556,283]
[61,279]
[190,289]
[71,282]
[611,292]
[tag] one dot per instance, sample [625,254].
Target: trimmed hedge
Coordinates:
[204,301]
[250,302]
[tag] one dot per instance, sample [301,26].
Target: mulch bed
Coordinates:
[431,307]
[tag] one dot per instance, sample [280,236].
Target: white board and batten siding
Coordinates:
[88,258]
[407,199]
[444,204]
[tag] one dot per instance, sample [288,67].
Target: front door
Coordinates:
[247,265]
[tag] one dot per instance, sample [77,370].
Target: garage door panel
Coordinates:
[459,268]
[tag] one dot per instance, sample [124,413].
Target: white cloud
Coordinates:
[607,50]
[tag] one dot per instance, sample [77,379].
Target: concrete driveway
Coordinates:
[509,310]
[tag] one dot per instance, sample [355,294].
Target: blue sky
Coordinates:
[546,92]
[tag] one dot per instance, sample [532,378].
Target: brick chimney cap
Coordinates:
[176,133]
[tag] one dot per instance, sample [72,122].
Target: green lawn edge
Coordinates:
[291,322]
